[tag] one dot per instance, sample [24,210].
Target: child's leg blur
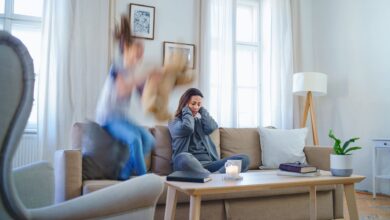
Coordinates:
[137,157]
[132,136]
[148,141]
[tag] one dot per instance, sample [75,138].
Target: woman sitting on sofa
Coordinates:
[193,149]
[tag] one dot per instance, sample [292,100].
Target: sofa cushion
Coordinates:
[282,146]
[241,141]
[162,153]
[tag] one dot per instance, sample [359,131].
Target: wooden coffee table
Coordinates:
[254,181]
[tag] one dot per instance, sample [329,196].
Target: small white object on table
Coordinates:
[232,171]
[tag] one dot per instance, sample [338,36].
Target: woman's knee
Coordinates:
[183,159]
[245,161]
[184,156]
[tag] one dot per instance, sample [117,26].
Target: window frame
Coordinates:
[9,18]
[256,45]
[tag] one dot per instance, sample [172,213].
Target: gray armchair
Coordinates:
[28,192]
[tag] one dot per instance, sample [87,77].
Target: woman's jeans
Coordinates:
[139,141]
[187,162]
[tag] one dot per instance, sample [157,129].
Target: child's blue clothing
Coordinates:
[139,140]
[110,105]
[113,115]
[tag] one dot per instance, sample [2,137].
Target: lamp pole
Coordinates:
[310,107]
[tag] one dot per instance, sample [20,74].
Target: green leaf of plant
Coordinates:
[331,135]
[336,147]
[352,148]
[339,152]
[349,141]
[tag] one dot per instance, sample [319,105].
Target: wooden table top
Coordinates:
[256,180]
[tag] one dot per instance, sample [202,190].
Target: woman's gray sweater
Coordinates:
[184,128]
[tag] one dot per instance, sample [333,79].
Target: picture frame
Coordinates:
[188,49]
[142,21]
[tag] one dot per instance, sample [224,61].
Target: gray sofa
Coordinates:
[290,203]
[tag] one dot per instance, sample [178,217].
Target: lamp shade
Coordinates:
[310,81]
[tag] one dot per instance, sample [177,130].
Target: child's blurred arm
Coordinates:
[126,85]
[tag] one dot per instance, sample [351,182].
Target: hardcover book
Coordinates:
[287,173]
[187,176]
[297,167]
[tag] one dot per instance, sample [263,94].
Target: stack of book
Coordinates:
[297,169]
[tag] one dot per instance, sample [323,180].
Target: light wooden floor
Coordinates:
[371,209]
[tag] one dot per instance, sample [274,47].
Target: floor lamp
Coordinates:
[310,84]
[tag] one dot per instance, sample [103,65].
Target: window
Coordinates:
[1,6]
[234,80]
[247,63]
[28,7]
[23,19]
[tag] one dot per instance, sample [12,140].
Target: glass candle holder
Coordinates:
[232,171]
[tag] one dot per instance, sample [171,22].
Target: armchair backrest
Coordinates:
[16,97]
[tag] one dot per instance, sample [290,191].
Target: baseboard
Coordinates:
[370,193]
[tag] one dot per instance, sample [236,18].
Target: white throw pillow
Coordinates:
[282,146]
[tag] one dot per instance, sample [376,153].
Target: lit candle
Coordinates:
[232,171]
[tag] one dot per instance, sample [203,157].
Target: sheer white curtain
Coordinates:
[277,64]
[218,59]
[75,52]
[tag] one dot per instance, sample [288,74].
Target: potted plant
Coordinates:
[341,159]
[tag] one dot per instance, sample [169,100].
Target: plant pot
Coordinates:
[341,165]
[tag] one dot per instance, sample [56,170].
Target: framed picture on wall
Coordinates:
[142,21]
[187,49]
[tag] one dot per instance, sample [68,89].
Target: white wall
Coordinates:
[175,21]
[345,39]
[349,40]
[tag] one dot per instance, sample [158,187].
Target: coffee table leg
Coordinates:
[195,207]
[349,190]
[170,208]
[313,203]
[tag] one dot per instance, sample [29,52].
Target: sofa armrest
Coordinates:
[132,199]
[68,174]
[318,156]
